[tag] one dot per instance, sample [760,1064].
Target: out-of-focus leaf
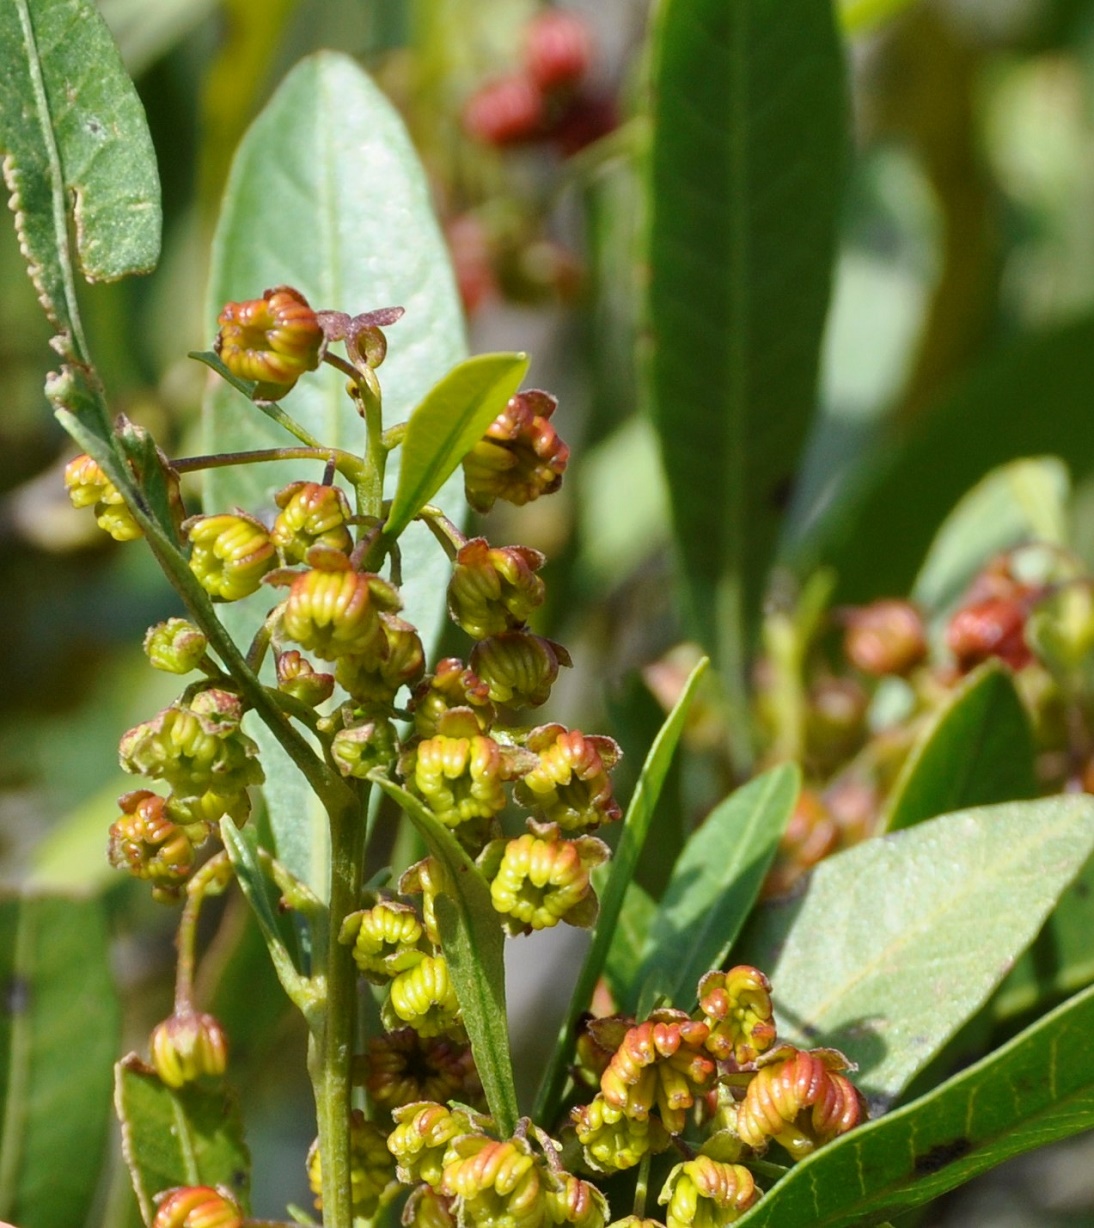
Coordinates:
[59,1025]
[861,16]
[144,32]
[629,940]
[743,185]
[450,420]
[73,129]
[978,749]
[1036,1089]
[474,945]
[713,885]
[898,941]
[611,883]
[326,194]
[189,1136]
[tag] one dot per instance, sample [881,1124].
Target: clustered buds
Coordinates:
[520,458]
[88,486]
[272,340]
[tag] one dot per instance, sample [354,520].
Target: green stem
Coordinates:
[348,465]
[211,879]
[371,489]
[641,1188]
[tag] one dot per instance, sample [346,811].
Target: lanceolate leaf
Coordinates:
[714,884]
[611,883]
[977,750]
[1034,1090]
[326,194]
[474,947]
[453,416]
[743,188]
[59,1025]
[74,130]
[898,941]
[190,1136]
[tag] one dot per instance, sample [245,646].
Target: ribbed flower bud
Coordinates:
[494,589]
[800,1099]
[737,1007]
[425,1208]
[421,1137]
[202,812]
[146,842]
[197,1206]
[356,751]
[521,456]
[297,676]
[175,646]
[705,1193]
[272,340]
[397,661]
[452,686]
[660,1064]
[885,637]
[573,1201]
[386,939]
[231,553]
[311,515]
[427,879]
[87,485]
[518,668]
[614,1141]
[334,611]
[495,1184]
[570,785]
[371,1167]
[538,879]
[461,780]
[187,1046]
[195,748]
[424,998]
[403,1068]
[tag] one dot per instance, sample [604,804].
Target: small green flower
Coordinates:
[494,590]
[188,1046]
[397,661]
[424,998]
[230,554]
[570,784]
[87,485]
[334,611]
[297,676]
[272,340]
[519,458]
[146,842]
[614,1141]
[539,879]
[387,939]
[495,1184]
[737,1007]
[311,515]
[402,1068]
[519,668]
[175,646]
[452,688]
[705,1193]
[197,1206]
[421,1137]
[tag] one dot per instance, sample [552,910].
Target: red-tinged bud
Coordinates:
[147,843]
[494,589]
[231,553]
[573,1201]
[506,111]
[705,1193]
[424,998]
[452,686]
[570,785]
[810,836]
[398,661]
[188,1046]
[737,1007]
[558,48]
[538,879]
[494,1183]
[994,627]
[421,1137]
[371,1168]
[334,611]
[358,750]
[89,486]
[461,780]
[404,1068]
[386,939]
[272,340]
[613,1140]
[519,668]
[800,1099]
[425,1208]
[519,458]
[311,515]
[886,637]
[175,646]
[197,1206]
[662,1065]
[297,677]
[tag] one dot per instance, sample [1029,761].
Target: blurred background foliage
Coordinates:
[960,336]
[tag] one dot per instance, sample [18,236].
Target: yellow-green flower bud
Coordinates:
[404,1068]
[538,879]
[197,1206]
[518,668]
[705,1193]
[570,784]
[334,611]
[737,1007]
[427,879]
[230,554]
[494,590]
[461,780]
[399,660]
[425,1208]
[612,1140]
[272,340]
[371,1168]
[311,515]
[297,677]
[358,750]
[146,842]
[203,812]
[424,998]
[421,1137]
[577,1202]
[387,939]
[495,1184]
[519,458]
[175,646]
[88,485]
[188,1046]
[452,687]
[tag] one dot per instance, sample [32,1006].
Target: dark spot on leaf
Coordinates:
[16,996]
[938,1157]
[779,497]
[1082,889]
[94,127]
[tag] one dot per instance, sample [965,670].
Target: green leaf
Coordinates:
[900,940]
[743,190]
[977,749]
[59,1027]
[189,1136]
[451,419]
[326,194]
[73,130]
[1034,1090]
[612,883]
[628,941]
[713,886]
[474,946]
